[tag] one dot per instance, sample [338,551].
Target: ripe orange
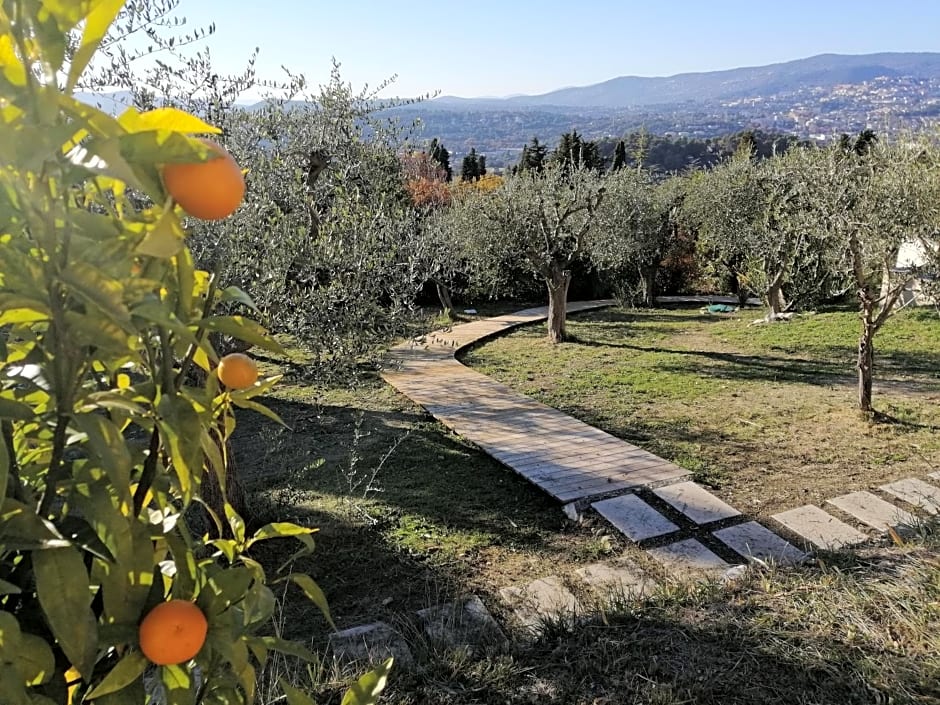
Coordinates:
[209,190]
[173,632]
[237,371]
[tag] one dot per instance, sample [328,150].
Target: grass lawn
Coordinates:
[765,415]
[442,519]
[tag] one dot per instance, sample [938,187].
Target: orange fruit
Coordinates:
[237,371]
[173,632]
[209,190]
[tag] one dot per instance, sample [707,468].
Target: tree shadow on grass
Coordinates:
[437,502]
[780,636]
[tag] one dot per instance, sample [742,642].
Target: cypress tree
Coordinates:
[620,156]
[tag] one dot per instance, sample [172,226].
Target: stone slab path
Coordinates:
[820,528]
[696,503]
[873,511]
[565,457]
[634,518]
[916,492]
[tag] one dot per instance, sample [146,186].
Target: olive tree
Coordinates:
[868,203]
[749,217]
[636,225]
[540,222]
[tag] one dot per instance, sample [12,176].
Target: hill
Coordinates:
[822,71]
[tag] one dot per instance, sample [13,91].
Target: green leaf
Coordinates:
[249,681]
[224,589]
[366,690]
[12,690]
[314,593]
[21,529]
[124,673]
[65,596]
[284,530]
[233,293]
[34,660]
[126,581]
[235,522]
[186,276]
[4,468]
[184,582]
[16,411]
[13,69]
[259,604]
[243,329]
[101,291]
[178,419]
[9,588]
[22,309]
[168,119]
[294,696]
[260,408]
[100,16]
[98,332]
[163,240]
[178,684]
[133,693]
[108,448]
[291,648]
[10,636]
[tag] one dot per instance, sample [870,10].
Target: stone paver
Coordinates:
[634,517]
[874,511]
[917,492]
[466,623]
[934,475]
[370,643]
[616,578]
[688,556]
[754,541]
[567,458]
[697,503]
[545,598]
[820,528]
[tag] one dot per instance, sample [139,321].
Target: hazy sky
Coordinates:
[499,47]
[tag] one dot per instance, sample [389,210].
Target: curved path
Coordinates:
[567,458]
[681,525]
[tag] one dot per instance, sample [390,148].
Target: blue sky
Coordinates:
[492,47]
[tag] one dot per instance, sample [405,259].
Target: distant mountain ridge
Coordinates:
[824,70]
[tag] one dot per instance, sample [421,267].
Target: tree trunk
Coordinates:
[775,299]
[866,355]
[557,284]
[649,285]
[447,304]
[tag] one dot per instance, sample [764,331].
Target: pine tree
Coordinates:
[481,166]
[533,156]
[470,167]
[574,151]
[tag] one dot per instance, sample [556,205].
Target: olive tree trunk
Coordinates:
[866,354]
[447,304]
[775,298]
[557,283]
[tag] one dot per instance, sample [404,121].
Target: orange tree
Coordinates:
[105,443]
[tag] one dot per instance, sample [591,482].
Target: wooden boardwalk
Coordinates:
[567,458]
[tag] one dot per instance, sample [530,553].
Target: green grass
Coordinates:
[765,414]
[408,512]
[442,519]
